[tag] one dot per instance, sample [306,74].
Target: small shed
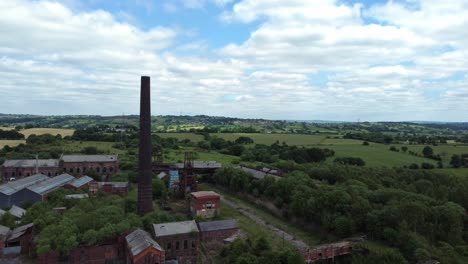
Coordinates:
[205,204]
[77,196]
[79,184]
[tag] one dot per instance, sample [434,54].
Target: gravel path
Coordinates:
[299,244]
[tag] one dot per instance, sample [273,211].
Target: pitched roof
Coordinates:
[175,228]
[204,194]
[77,183]
[89,158]
[17,211]
[51,184]
[218,225]
[19,231]
[14,186]
[139,240]
[31,163]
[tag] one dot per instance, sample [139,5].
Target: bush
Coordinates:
[350,161]
[427,166]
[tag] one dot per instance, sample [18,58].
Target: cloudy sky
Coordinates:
[296,59]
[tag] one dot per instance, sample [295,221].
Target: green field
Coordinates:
[52,131]
[11,143]
[268,139]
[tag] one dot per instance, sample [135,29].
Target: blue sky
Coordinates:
[329,59]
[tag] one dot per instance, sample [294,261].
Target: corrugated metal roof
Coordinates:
[14,186]
[218,225]
[175,228]
[12,251]
[139,240]
[17,211]
[31,163]
[77,196]
[19,231]
[77,183]
[51,184]
[89,158]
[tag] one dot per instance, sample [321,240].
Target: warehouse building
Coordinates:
[217,231]
[81,164]
[39,191]
[12,193]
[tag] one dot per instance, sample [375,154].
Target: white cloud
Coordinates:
[305,60]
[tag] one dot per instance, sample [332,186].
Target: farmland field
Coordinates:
[11,143]
[52,131]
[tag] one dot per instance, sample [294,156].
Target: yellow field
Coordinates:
[52,131]
[11,143]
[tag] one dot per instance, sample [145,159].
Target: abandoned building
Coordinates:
[35,188]
[205,204]
[218,231]
[78,165]
[328,251]
[116,188]
[81,164]
[11,193]
[17,169]
[79,184]
[142,249]
[180,240]
[18,240]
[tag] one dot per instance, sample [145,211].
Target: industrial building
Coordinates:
[142,249]
[218,231]
[17,169]
[116,188]
[11,193]
[205,204]
[39,191]
[180,240]
[106,165]
[79,184]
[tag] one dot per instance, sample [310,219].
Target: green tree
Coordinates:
[428,152]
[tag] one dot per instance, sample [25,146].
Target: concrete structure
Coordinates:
[145,192]
[180,240]
[81,164]
[205,204]
[17,169]
[77,196]
[142,249]
[12,193]
[79,184]
[39,191]
[217,231]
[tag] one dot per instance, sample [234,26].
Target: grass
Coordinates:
[377,155]
[445,151]
[52,131]
[269,218]
[10,143]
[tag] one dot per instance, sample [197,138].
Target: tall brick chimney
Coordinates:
[145,192]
